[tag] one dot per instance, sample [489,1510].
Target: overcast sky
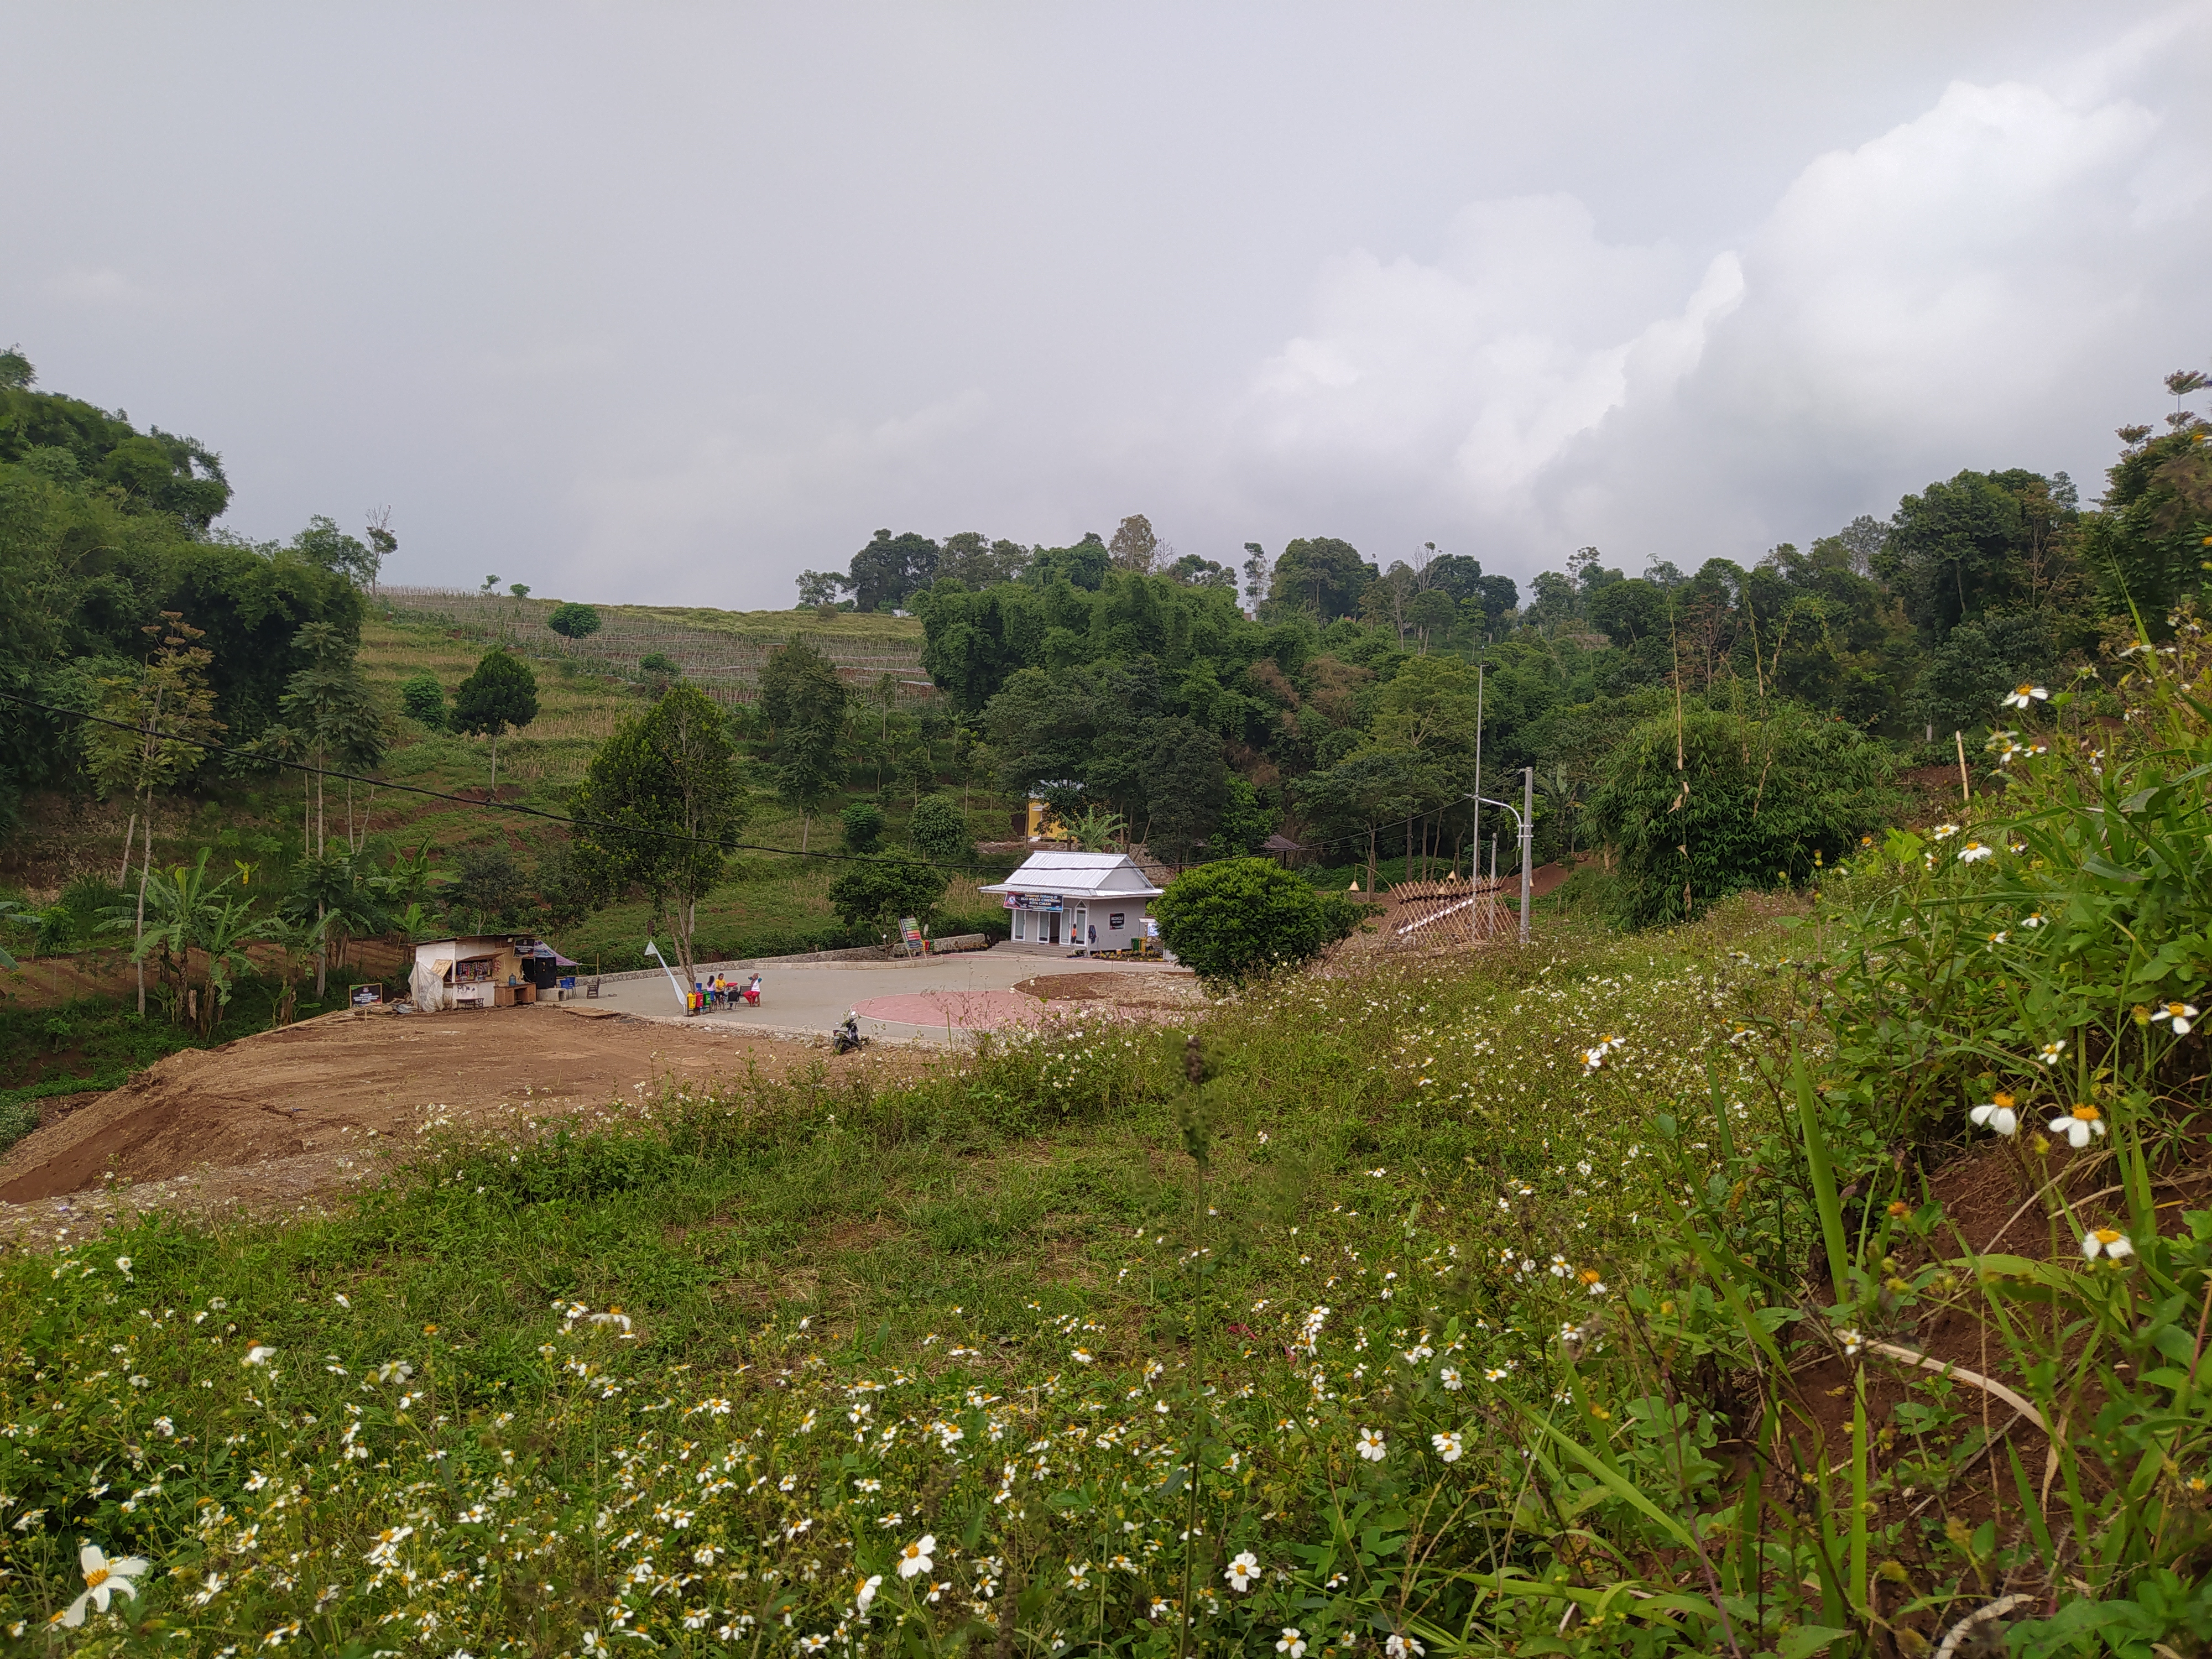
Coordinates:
[663,304]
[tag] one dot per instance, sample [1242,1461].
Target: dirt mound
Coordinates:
[1165,992]
[317,1107]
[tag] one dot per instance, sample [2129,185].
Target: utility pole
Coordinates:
[1528,842]
[1476,832]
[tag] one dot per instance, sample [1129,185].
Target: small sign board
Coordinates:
[367,996]
[910,931]
[1033,901]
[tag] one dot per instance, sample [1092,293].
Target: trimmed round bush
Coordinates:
[1243,918]
[864,826]
[424,700]
[939,832]
[574,622]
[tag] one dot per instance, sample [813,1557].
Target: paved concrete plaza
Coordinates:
[926,999]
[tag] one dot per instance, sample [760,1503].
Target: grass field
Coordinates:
[698,1378]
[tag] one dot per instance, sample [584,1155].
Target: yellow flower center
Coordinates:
[2106,1235]
[2004,1103]
[2174,1009]
[2087,1113]
[95,1579]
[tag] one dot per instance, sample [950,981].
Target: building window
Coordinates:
[1114,923]
[1021,924]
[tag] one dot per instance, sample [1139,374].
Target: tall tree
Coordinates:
[330,707]
[382,544]
[1364,791]
[325,546]
[166,717]
[803,703]
[502,692]
[660,809]
[331,716]
[1322,577]
[1134,548]
[1186,786]
[2149,539]
[1979,544]
[1256,567]
[891,568]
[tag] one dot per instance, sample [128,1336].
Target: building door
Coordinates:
[1051,926]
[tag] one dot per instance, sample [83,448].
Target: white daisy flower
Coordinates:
[1244,1571]
[918,1557]
[102,1578]
[1371,1445]
[2175,1014]
[2048,1054]
[1997,1116]
[2078,1125]
[2022,695]
[1448,1446]
[1292,1642]
[2109,1242]
[1974,852]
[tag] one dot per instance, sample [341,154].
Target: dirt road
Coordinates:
[273,1120]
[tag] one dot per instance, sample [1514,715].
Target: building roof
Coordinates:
[1103,875]
[1280,844]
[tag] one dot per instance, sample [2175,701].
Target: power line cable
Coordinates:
[260,757]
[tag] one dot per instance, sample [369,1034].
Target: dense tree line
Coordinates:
[104,530]
[1329,696]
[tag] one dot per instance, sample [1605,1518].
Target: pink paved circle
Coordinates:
[971,1011]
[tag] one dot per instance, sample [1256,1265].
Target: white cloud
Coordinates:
[1996,281]
[1476,370]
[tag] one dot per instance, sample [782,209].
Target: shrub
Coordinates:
[864,826]
[574,622]
[659,662]
[882,889]
[424,701]
[1233,921]
[939,832]
[1752,804]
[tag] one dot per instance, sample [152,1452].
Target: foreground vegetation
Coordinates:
[1605,1300]
[1619,1298]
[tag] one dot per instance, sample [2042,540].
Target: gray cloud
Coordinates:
[667,305]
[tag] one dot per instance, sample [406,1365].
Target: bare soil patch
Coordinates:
[1160,993]
[272,1121]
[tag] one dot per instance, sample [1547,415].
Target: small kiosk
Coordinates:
[481,972]
[1059,898]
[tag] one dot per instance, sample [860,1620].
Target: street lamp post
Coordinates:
[1523,817]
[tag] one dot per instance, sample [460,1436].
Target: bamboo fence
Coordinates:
[1425,915]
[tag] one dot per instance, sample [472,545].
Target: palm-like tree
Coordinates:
[188,913]
[1095,831]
